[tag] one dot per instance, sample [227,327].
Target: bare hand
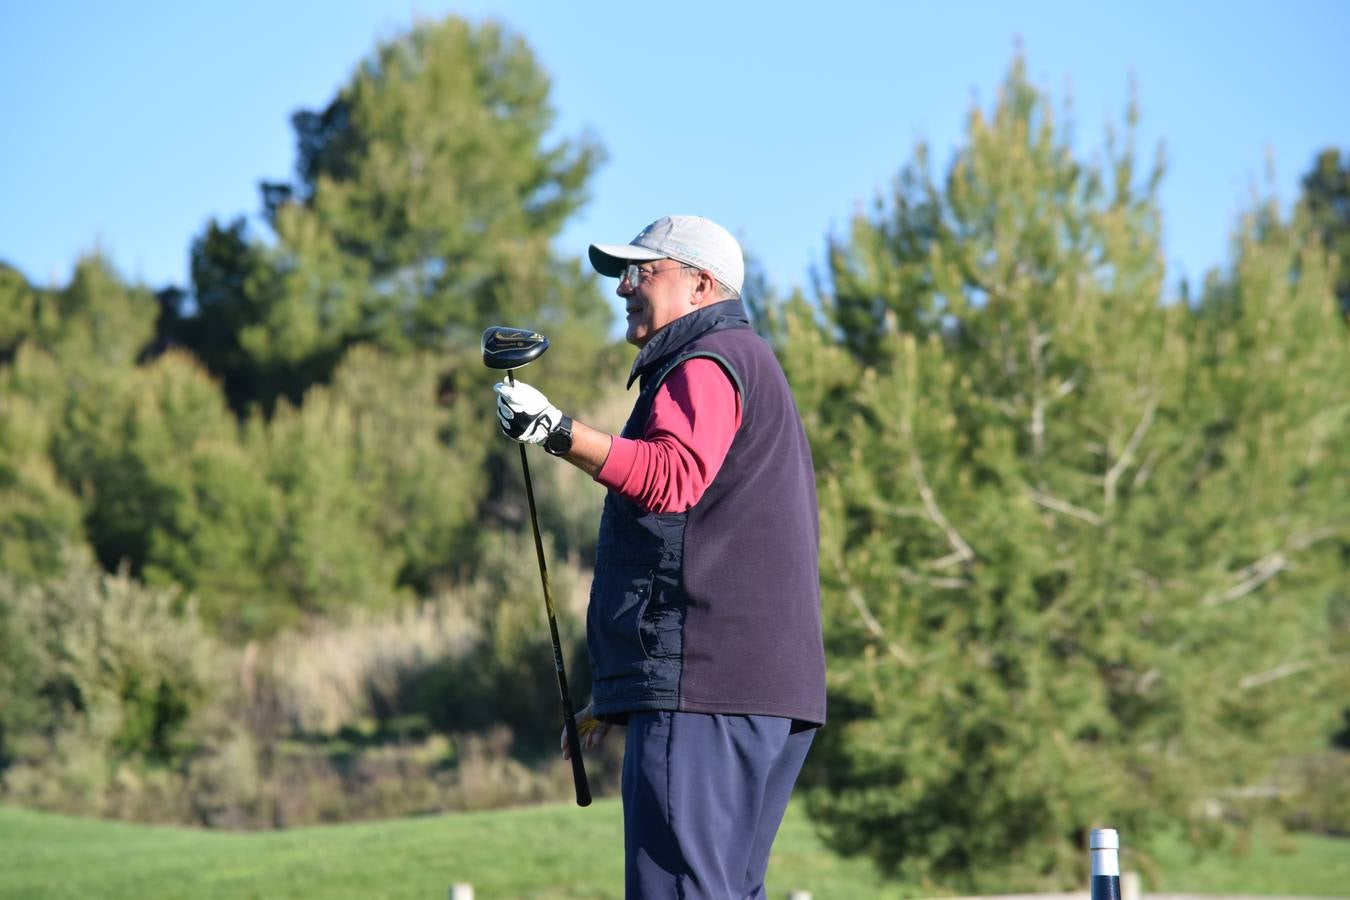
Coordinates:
[591,732]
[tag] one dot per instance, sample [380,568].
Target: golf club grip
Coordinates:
[579,780]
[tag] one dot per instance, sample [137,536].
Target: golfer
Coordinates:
[703,627]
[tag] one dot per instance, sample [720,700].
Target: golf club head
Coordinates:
[511,348]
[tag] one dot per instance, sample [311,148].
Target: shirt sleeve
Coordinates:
[694,417]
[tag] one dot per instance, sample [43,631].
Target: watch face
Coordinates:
[559,441]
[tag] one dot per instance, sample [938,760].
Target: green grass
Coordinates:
[1272,864]
[540,852]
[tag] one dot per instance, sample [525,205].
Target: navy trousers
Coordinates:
[703,796]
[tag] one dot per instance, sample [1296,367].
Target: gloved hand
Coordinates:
[524,414]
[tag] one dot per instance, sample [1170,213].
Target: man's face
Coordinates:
[655,294]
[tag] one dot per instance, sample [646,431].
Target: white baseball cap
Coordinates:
[690,239]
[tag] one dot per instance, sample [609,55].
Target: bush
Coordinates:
[333,675]
[116,703]
[467,661]
[111,677]
[506,677]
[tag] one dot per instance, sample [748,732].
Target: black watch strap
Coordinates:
[559,440]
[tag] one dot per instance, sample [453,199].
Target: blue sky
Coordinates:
[128,126]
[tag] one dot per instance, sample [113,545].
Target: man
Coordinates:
[704,620]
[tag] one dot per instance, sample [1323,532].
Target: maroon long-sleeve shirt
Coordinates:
[694,417]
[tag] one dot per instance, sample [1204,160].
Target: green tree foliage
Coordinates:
[1078,544]
[426,202]
[352,457]
[317,511]
[365,490]
[1326,202]
[176,479]
[424,208]
[306,434]
[429,166]
[419,451]
[62,390]
[96,322]
[16,310]
[1326,196]
[376,482]
[39,516]
[169,491]
[268,322]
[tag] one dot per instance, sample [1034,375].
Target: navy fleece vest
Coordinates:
[717,609]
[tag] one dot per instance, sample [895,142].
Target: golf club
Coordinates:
[509,349]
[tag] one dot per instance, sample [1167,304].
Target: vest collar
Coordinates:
[683,331]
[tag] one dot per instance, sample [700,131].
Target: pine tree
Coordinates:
[16,310]
[426,200]
[1077,542]
[39,516]
[1326,199]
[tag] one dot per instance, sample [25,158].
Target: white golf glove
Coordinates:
[524,414]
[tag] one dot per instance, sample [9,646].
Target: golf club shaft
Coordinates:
[579,780]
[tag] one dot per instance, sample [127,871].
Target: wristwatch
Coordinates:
[559,440]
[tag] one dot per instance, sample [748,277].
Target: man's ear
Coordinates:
[707,287]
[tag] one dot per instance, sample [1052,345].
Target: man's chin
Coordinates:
[637,334]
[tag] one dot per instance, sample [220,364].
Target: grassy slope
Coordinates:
[542,852]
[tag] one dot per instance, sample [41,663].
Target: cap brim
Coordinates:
[610,259]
